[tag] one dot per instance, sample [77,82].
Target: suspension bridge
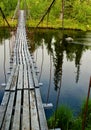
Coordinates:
[22,107]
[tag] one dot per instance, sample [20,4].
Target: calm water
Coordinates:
[5,54]
[65,68]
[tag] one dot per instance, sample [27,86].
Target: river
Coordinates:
[64,67]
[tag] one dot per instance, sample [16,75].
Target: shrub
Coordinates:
[62,117]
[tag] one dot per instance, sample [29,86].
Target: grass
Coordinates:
[13,23]
[68,24]
[54,23]
[63,118]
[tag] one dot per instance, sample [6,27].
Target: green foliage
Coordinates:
[64,119]
[8,6]
[82,12]
[88,115]
[61,118]
[76,124]
[4,33]
[77,14]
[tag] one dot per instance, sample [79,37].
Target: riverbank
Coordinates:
[52,24]
[57,24]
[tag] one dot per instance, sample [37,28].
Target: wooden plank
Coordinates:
[14,58]
[20,50]
[31,85]
[36,84]
[35,78]
[14,80]
[25,78]
[10,78]
[24,62]
[18,57]
[20,78]
[5,98]
[7,101]
[41,113]
[26,114]
[7,119]
[2,113]
[34,115]
[16,121]
[3,107]
[17,52]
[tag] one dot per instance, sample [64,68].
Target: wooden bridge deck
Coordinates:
[21,107]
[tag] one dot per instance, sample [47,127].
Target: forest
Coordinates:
[75,14]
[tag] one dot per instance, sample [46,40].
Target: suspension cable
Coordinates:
[86,106]
[3,15]
[41,63]
[49,80]
[4,60]
[47,11]
[17,8]
[47,18]
[58,94]
[57,101]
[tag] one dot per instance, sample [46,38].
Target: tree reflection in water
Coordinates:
[58,48]
[61,52]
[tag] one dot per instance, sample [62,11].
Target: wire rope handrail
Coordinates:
[41,63]
[4,17]
[16,9]
[47,11]
[48,93]
[86,107]
[4,61]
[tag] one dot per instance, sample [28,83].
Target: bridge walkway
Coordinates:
[21,107]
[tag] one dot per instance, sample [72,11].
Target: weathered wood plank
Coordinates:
[14,80]
[16,121]
[31,86]
[22,53]
[34,114]
[25,78]
[5,98]
[17,52]
[14,58]
[10,78]
[24,62]
[36,84]
[7,119]
[26,114]
[20,50]
[35,78]
[42,118]
[2,113]
[8,101]
[20,78]
[3,107]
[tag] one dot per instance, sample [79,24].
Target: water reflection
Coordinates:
[4,34]
[4,59]
[71,65]
[74,53]
[56,46]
